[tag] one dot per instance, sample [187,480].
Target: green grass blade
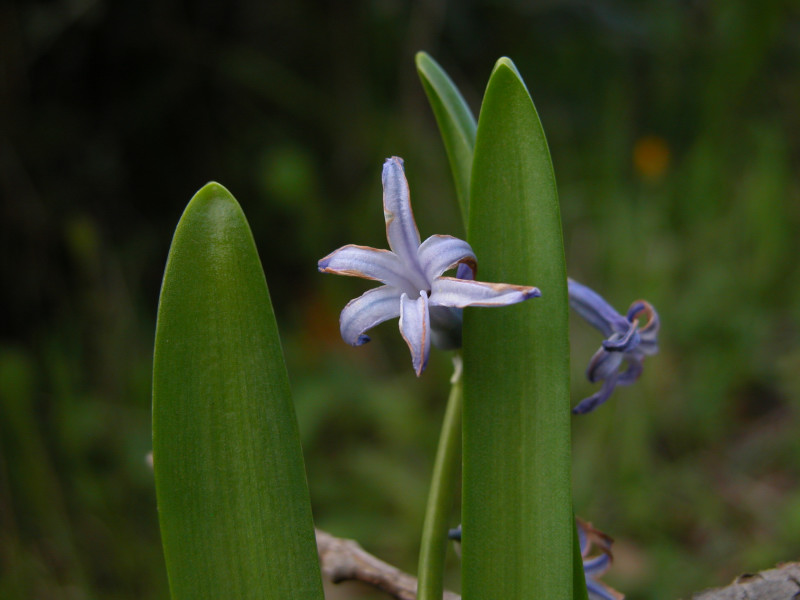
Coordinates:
[456,124]
[233,503]
[517,509]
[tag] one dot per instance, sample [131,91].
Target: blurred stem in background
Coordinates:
[33,517]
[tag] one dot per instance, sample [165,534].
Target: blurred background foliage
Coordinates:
[675,134]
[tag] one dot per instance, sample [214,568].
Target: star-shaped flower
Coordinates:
[428,304]
[625,340]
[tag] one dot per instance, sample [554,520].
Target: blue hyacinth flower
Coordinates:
[629,339]
[414,287]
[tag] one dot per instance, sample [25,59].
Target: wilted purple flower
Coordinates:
[625,340]
[593,567]
[414,289]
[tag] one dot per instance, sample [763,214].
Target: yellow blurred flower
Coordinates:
[651,156]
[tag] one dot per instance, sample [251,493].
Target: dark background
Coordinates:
[675,134]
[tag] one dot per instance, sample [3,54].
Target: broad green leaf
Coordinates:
[456,124]
[578,574]
[517,508]
[233,503]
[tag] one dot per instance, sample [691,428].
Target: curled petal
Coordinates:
[460,293]
[649,331]
[640,308]
[439,253]
[415,328]
[583,538]
[603,365]
[597,565]
[401,229]
[466,271]
[592,307]
[636,308]
[600,591]
[589,535]
[632,373]
[647,347]
[624,342]
[594,567]
[366,262]
[370,308]
[587,405]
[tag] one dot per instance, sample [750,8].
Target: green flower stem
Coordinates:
[433,547]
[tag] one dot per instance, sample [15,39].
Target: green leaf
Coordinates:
[517,508]
[456,124]
[578,574]
[233,503]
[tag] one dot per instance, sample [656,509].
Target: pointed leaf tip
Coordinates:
[212,189]
[233,503]
[455,120]
[506,64]
[516,363]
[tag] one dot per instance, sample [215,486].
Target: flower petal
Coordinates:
[415,328]
[596,565]
[454,534]
[649,331]
[625,342]
[603,365]
[460,293]
[646,347]
[632,373]
[369,263]
[439,253]
[600,591]
[370,308]
[401,230]
[592,307]
[590,536]
[587,405]
[583,538]
[466,271]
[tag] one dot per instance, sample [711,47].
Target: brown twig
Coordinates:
[346,560]
[782,583]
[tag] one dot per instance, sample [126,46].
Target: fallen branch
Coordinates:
[782,583]
[346,560]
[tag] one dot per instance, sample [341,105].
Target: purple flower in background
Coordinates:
[414,289]
[593,566]
[626,339]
